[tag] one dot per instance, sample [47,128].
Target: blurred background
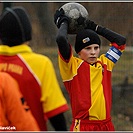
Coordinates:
[117,16]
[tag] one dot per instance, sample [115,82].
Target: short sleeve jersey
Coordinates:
[89,86]
[37,81]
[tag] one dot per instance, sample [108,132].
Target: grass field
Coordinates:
[122,69]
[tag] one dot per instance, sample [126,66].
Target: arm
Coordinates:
[117,41]
[61,39]
[53,101]
[59,122]
[62,22]
[115,38]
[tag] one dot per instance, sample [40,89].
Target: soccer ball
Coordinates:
[75,10]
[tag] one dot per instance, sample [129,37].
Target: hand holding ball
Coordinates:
[75,14]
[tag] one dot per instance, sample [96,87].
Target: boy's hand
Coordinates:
[60,17]
[91,25]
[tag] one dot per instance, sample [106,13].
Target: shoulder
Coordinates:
[37,58]
[5,77]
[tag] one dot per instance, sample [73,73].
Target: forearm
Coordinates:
[110,35]
[62,41]
[59,122]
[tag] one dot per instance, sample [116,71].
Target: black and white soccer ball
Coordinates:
[74,11]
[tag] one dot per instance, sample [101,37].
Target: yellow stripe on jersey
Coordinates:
[98,106]
[106,61]
[65,71]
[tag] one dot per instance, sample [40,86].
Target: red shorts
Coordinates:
[92,125]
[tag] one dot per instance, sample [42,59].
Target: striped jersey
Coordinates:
[89,86]
[37,81]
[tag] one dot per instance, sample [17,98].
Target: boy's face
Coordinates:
[90,53]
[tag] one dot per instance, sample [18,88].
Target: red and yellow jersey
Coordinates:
[37,81]
[13,115]
[89,86]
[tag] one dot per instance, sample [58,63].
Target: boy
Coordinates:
[88,78]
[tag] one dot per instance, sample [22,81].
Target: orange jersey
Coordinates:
[13,116]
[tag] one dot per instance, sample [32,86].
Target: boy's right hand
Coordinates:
[60,17]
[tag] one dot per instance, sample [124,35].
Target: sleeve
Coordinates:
[59,122]
[62,41]
[118,43]
[117,40]
[113,54]
[53,99]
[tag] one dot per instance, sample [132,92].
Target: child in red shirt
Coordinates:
[87,77]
